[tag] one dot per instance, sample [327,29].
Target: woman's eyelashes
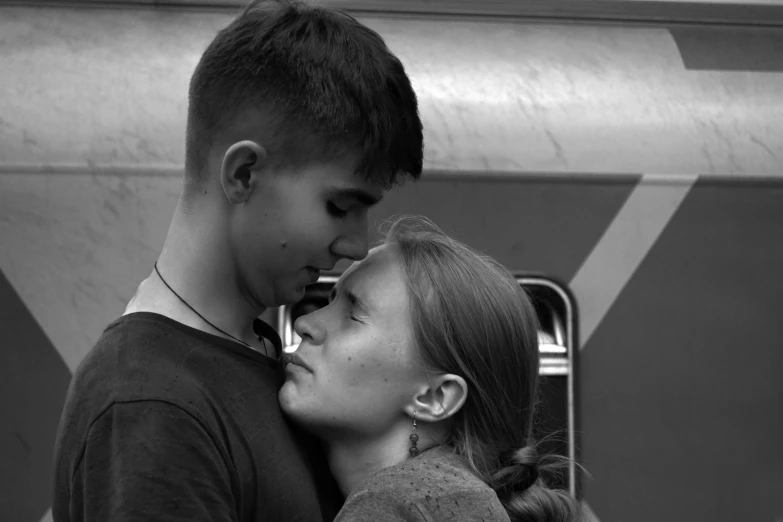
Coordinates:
[351,314]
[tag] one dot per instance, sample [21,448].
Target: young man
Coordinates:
[299,119]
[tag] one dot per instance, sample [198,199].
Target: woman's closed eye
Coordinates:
[350,302]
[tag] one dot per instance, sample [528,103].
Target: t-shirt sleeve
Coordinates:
[151,461]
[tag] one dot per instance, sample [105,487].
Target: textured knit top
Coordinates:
[434,486]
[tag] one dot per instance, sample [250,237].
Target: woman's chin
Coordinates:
[287,398]
[309,417]
[292,404]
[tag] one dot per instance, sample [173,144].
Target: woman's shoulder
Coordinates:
[436,485]
[439,467]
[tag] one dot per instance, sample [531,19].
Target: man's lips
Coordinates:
[314,273]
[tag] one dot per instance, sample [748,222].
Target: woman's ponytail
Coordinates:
[519,470]
[521,487]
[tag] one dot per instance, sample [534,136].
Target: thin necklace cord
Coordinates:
[198,314]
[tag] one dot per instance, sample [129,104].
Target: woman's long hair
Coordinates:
[471,318]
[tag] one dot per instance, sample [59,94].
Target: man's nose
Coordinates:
[353,246]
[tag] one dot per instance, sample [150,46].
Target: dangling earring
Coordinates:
[414,438]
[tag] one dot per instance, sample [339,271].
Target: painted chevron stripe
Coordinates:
[622,248]
[626,242]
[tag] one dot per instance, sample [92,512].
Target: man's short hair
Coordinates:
[324,84]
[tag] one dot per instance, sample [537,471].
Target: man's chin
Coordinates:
[291,296]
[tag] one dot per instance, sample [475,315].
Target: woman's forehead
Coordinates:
[376,260]
[375,277]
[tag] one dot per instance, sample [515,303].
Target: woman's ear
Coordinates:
[239,173]
[444,395]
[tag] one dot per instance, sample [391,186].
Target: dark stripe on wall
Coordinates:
[680,386]
[547,226]
[33,384]
[751,49]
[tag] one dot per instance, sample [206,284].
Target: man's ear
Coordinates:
[241,168]
[441,398]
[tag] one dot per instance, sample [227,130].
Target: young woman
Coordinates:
[420,376]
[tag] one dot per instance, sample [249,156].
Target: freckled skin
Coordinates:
[365,366]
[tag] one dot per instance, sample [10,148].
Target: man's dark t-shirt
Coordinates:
[165,422]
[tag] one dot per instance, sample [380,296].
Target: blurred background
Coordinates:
[623,157]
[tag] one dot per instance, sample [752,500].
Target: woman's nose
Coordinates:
[308,328]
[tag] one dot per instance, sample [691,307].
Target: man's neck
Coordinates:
[193,264]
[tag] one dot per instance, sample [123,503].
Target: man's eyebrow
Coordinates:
[359,195]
